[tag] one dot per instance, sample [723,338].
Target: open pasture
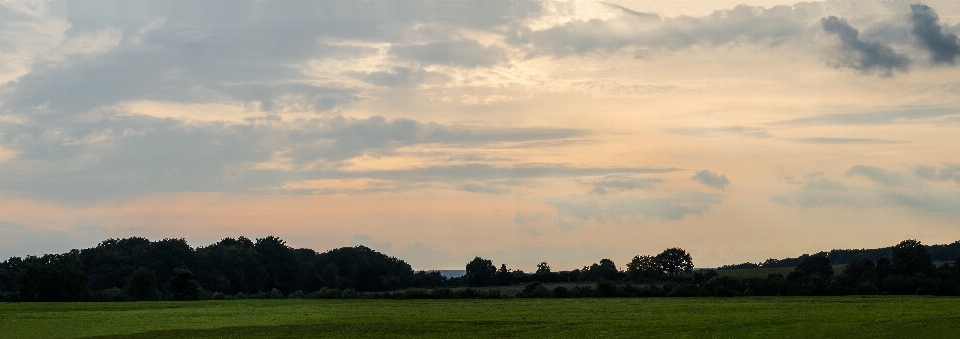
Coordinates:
[747,317]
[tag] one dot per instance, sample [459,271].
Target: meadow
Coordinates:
[744,317]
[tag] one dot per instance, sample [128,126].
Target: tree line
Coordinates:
[138,269]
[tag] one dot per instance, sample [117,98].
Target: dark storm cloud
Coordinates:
[865,56]
[943,47]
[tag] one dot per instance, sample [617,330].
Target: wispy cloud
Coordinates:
[715,180]
[709,132]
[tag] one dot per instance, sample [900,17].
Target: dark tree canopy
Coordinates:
[480,272]
[364,269]
[142,285]
[675,260]
[183,286]
[53,277]
[818,264]
[643,267]
[910,257]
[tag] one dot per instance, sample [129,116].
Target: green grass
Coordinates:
[747,317]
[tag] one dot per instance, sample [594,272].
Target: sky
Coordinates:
[518,131]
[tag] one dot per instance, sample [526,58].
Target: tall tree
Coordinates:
[183,286]
[53,277]
[480,272]
[280,263]
[910,257]
[643,267]
[674,260]
[817,263]
[142,285]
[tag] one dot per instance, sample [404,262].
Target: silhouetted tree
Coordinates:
[366,270]
[53,277]
[504,276]
[818,264]
[643,267]
[330,277]
[183,286]
[543,273]
[480,272]
[142,285]
[910,257]
[280,264]
[674,260]
[231,266]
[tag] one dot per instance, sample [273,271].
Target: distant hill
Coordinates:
[947,252]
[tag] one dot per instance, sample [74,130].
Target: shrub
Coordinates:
[607,289]
[327,293]
[492,294]
[535,290]
[722,286]
[560,292]
[276,294]
[110,294]
[349,294]
[442,293]
[866,287]
[142,285]
[413,293]
[468,293]
[218,296]
[298,294]
[582,291]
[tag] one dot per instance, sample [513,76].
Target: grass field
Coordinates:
[747,317]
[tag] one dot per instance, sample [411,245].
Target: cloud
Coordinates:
[879,175]
[711,179]
[882,117]
[721,131]
[865,56]
[120,156]
[400,77]
[467,53]
[73,57]
[575,210]
[619,182]
[949,172]
[943,47]
[919,190]
[742,23]
[525,219]
[482,188]
[20,240]
[847,141]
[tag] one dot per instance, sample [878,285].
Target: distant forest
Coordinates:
[169,269]
[939,253]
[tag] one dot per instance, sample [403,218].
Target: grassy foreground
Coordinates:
[747,317]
